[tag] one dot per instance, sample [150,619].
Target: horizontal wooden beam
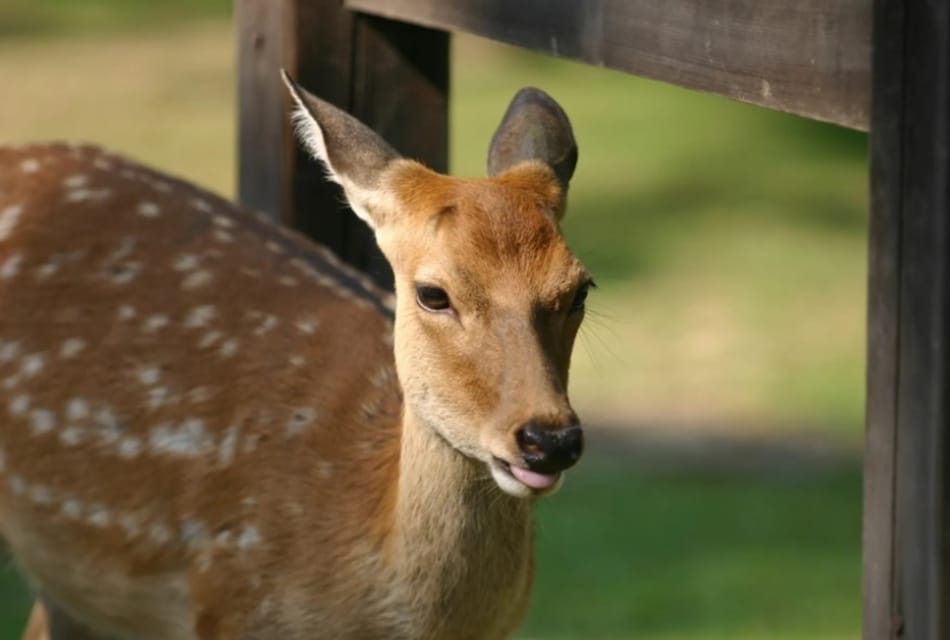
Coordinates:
[808,57]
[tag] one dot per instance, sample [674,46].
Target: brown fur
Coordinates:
[367,521]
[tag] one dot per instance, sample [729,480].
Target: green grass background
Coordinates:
[729,246]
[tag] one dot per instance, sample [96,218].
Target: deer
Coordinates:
[211,427]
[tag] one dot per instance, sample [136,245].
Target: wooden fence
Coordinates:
[878,65]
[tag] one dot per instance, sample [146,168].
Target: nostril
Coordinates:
[531,438]
[550,450]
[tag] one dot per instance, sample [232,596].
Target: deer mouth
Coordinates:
[522,482]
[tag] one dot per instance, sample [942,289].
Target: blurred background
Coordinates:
[720,371]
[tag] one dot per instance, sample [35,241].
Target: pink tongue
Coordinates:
[534,480]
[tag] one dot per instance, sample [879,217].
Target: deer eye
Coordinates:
[432,298]
[580,298]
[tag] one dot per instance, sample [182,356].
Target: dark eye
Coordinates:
[432,298]
[580,298]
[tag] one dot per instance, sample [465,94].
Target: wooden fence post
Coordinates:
[391,75]
[907,485]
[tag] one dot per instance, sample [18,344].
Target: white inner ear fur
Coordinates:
[308,131]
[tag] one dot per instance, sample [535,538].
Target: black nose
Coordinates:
[548,449]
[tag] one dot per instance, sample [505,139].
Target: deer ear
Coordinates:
[535,127]
[354,155]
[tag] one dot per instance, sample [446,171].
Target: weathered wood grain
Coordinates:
[810,57]
[907,484]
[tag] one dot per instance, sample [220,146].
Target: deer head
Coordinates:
[489,297]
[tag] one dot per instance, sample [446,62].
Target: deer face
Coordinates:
[489,297]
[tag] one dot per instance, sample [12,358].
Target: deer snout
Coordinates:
[550,449]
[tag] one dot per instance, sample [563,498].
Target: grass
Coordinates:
[624,554]
[729,245]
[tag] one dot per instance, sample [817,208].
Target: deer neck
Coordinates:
[461,544]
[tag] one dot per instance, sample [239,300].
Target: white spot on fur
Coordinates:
[11,381]
[287,281]
[126,312]
[223,221]
[30,165]
[186,262]
[209,339]
[32,364]
[201,205]
[228,348]
[300,420]
[199,316]
[11,266]
[88,195]
[223,236]
[103,164]
[149,375]
[72,509]
[155,323]
[274,247]
[266,325]
[198,395]
[72,436]
[130,523]
[194,533]
[228,446]
[187,439]
[76,181]
[148,209]
[129,447]
[42,421]
[46,270]
[126,272]
[196,280]
[250,537]
[109,429]
[9,351]
[159,534]
[306,327]
[251,273]
[297,361]
[77,409]
[157,396]
[99,516]
[71,347]
[17,485]
[325,469]
[18,405]
[8,220]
